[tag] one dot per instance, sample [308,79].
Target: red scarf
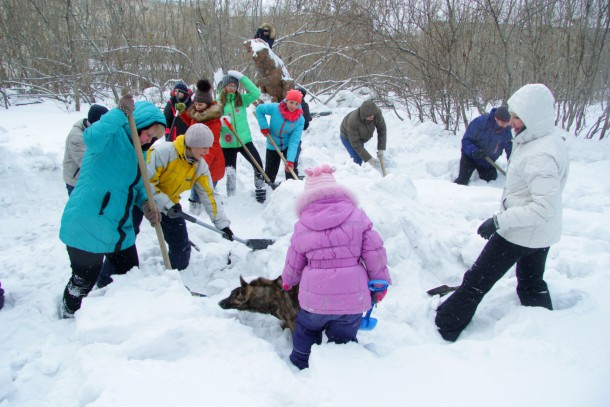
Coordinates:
[288,115]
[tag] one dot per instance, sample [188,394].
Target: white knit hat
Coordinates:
[199,136]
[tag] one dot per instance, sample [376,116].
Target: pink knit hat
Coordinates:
[320,183]
[320,177]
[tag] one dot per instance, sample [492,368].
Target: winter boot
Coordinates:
[259,185]
[231,181]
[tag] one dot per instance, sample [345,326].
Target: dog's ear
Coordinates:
[278,281]
[242,281]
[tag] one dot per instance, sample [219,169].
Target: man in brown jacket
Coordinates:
[358,127]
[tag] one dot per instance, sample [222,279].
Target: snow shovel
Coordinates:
[254,244]
[442,290]
[376,286]
[492,162]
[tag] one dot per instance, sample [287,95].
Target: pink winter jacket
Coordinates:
[334,252]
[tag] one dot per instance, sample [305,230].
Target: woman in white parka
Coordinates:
[531,216]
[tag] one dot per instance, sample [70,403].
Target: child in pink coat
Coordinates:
[334,252]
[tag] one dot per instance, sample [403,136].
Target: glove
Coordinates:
[380,295]
[289,166]
[380,153]
[153,216]
[228,234]
[487,228]
[478,154]
[265,132]
[126,104]
[224,120]
[235,74]
[374,163]
[174,212]
[286,287]
[180,107]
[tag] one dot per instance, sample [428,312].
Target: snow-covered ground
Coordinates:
[145,341]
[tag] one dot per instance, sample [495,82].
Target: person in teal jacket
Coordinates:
[285,127]
[97,220]
[234,109]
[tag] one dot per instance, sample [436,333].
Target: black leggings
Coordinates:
[86,268]
[497,257]
[230,155]
[272,165]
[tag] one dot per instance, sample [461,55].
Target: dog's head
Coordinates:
[260,295]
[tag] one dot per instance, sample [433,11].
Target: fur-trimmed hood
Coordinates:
[271,29]
[214,111]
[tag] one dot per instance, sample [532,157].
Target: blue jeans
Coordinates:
[351,151]
[309,328]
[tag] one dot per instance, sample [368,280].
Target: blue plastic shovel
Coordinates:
[376,286]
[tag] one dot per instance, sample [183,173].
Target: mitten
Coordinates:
[265,132]
[152,216]
[235,74]
[380,153]
[381,295]
[224,120]
[478,154]
[286,287]
[289,166]
[228,234]
[487,228]
[180,107]
[126,104]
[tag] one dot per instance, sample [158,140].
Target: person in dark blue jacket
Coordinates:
[97,221]
[486,136]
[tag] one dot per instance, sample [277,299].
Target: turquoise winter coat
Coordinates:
[97,217]
[285,133]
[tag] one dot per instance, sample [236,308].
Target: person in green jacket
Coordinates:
[235,104]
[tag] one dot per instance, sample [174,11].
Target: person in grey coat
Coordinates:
[358,127]
[530,220]
[75,147]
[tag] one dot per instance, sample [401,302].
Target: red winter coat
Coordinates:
[211,118]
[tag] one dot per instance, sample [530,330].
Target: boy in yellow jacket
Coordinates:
[174,168]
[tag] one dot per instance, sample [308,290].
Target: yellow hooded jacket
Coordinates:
[171,173]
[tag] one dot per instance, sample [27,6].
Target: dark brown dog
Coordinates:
[266,297]
[270,77]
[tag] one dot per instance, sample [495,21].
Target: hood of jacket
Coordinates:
[147,114]
[325,208]
[368,108]
[534,104]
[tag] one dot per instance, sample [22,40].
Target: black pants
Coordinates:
[230,155]
[105,276]
[177,238]
[272,165]
[86,268]
[497,257]
[467,167]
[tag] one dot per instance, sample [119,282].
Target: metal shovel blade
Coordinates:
[259,244]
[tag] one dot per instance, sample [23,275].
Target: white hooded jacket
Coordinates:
[537,172]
